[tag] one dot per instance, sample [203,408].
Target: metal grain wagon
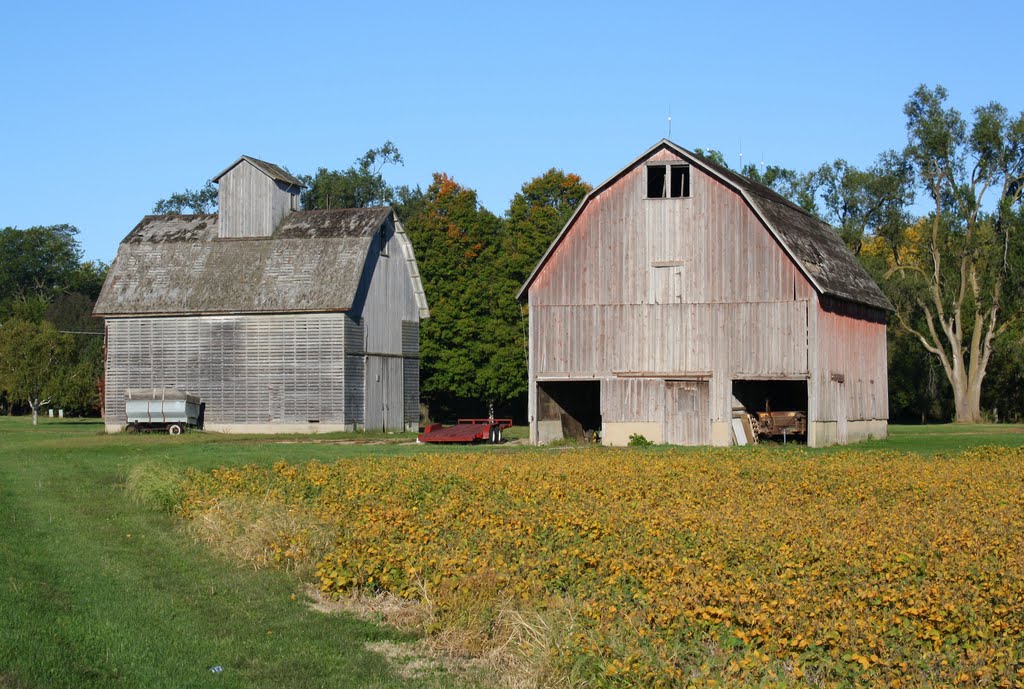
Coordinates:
[163,409]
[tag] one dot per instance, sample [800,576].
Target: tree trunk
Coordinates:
[35,416]
[967,398]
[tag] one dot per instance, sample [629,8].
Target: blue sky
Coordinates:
[112,106]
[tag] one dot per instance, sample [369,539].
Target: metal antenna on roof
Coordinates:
[741,155]
[670,122]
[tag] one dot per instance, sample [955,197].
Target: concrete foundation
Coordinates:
[823,433]
[548,431]
[617,434]
[721,433]
[263,428]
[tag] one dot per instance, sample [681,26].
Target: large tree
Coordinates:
[535,216]
[361,184]
[952,279]
[869,203]
[33,357]
[37,263]
[452,236]
[202,200]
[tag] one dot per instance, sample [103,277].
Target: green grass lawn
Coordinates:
[97,591]
[945,438]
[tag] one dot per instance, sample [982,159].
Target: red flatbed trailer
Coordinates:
[465,431]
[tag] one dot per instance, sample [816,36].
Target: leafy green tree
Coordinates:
[867,203]
[952,280]
[38,262]
[800,188]
[535,216]
[202,200]
[712,156]
[32,357]
[361,184]
[451,234]
[46,284]
[1004,389]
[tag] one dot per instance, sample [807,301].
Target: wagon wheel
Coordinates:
[131,428]
[174,429]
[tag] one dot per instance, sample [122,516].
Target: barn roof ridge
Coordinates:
[813,246]
[271,170]
[313,262]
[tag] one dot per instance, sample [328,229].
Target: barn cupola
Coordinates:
[254,196]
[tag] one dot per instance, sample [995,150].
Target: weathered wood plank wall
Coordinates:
[669,286]
[248,369]
[251,204]
[391,318]
[852,346]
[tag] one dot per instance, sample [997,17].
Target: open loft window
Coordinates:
[668,181]
[384,240]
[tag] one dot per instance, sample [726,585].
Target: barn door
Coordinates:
[842,429]
[687,421]
[385,408]
[394,395]
[374,408]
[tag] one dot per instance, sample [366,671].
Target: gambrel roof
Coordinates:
[315,261]
[813,246]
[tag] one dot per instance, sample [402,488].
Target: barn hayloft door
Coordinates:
[687,421]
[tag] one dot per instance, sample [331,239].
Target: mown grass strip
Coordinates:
[99,591]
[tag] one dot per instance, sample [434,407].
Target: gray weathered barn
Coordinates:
[280,319]
[680,291]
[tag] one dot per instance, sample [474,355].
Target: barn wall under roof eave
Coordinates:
[390,315]
[250,370]
[850,380]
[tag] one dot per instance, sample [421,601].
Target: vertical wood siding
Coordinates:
[683,286]
[686,413]
[247,369]
[718,250]
[411,372]
[355,371]
[391,332]
[632,400]
[851,344]
[390,299]
[251,204]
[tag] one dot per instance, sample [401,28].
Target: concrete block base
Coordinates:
[617,434]
[262,428]
[823,433]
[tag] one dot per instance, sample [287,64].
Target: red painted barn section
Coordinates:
[641,294]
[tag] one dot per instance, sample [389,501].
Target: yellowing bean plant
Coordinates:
[704,568]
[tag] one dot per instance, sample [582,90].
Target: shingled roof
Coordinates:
[814,246]
[313,262]
[269,169]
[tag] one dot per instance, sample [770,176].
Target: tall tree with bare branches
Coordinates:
[951,276]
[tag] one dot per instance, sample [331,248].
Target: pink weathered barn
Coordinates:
[681,294]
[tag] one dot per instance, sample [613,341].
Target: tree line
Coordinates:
[51,349]
[937,223]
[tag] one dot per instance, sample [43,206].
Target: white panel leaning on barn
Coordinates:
[679,285]
[269,313]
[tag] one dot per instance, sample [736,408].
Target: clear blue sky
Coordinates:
[109,107]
